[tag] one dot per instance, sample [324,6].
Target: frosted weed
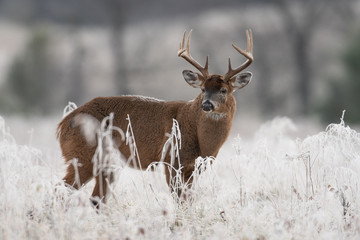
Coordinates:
[271,187]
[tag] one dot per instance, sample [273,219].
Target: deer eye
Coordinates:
[223,90]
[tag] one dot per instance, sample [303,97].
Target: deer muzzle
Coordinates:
[207,106]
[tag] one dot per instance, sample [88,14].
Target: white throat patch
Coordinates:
[216,116]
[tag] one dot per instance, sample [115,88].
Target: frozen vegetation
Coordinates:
[271,186]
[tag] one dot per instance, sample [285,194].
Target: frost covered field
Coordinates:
[271,186]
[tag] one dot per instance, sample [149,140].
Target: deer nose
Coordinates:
[207,106]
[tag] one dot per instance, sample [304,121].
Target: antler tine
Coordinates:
[248,53]
[183,40]
[181,48]
[207,62]
[184,52]
[250,39]
[230,64]
[188,42]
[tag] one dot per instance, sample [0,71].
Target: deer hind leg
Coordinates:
[78,176]
[101,187]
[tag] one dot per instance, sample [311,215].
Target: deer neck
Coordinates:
[213,128]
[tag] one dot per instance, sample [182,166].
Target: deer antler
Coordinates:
[185,53]
[248,53]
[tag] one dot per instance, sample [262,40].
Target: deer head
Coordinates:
[215,88]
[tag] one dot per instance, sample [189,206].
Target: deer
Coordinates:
[204,122]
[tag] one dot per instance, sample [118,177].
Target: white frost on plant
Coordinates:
[273,187]
[171,148]
[134,157]
[174,142]
[5,135]
[107,160]
[69,108]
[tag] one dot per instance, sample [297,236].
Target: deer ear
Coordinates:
[193,79]
[241,80]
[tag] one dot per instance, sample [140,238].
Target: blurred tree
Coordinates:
[75,70]
[77,81]
[30,78]
[117,16]
[301,19]
[344,92]
[268,102]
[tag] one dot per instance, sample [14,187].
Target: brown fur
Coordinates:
[151,120]
[204,123]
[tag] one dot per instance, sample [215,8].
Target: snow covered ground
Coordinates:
[269,186]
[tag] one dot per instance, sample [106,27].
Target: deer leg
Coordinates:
[182,191]
[185,193]
[172,181]
[101,187]
[78,176]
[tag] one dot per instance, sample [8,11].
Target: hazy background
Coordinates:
[307,54]
[265,184]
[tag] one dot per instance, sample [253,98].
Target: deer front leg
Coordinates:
[181,185]
[187,176]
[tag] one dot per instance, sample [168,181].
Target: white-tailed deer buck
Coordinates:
[204,122]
